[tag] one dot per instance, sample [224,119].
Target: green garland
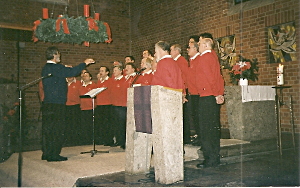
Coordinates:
[78,27]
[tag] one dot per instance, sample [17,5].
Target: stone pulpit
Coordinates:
[154,121]
[251,112]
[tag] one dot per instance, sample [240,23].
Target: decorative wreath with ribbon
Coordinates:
[71,30]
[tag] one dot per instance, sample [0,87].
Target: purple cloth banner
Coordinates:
[142,109]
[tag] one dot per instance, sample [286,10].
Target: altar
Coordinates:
[251,112]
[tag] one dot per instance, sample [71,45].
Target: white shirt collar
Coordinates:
[84,84]
[148,72]
[176,58]
[206,51]
[49,61]
[119,78]
[102,80]
[130,75]
[165,56]
[194,57]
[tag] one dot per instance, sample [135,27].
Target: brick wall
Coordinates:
[175,21]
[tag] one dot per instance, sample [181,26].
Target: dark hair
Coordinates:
[195,37]
[106,69]
[150,52]
[206,35]
[89,74]
[209,36]
[50,52]
[131,57]
[165,46]
[132,65]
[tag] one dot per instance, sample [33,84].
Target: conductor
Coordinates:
[55,90]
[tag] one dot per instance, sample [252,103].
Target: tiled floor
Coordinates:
[260,169]
[255,164]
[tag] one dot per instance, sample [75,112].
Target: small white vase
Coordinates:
[243,82]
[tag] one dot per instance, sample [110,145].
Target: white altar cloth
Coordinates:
[258,93]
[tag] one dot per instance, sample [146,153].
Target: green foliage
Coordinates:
[78,27]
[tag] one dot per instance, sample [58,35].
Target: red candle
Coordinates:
[45,13]
[97,16]
[86,10]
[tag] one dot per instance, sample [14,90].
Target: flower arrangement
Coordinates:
[245,69]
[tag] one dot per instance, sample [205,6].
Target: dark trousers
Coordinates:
[103,125]
[209,126]
[119,124]
[53,126]
[86,128]
[73,122]
[190,116]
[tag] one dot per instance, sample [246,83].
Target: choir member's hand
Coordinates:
[220,99]
[184,99]
[89,61]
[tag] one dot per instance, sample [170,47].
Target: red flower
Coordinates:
[246,66]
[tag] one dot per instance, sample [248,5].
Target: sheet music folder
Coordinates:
[93,93]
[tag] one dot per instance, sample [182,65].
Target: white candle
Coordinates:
[280,79]
[280,69]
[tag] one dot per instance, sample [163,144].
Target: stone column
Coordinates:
[167,124]
[138,145]
[166,137]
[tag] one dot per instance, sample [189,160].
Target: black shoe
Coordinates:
[204,164]
[57,158]
[108,144]
[115,144]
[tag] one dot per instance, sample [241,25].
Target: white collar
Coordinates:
[165,56]
[176,58]
[83,84]
[206,51]
[148,72]
[49,61]
[194,57]
[130,75]
[119,78]
[102,80]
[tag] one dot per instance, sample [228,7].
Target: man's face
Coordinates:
[192,50]
[128,60]
[174,53]
[103,73]
[82,73]
[143,63]
[56,57]
[129,69]
[86,77]
[117,72]
[145,53]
